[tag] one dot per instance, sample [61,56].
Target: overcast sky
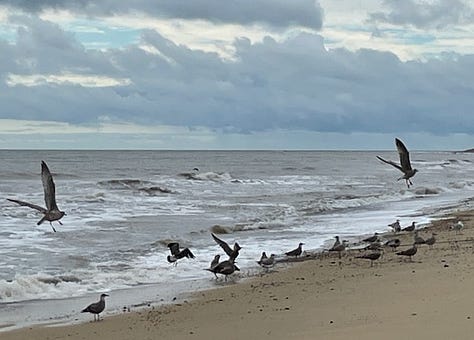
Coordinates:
[247,74]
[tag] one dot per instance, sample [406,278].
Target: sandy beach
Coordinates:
[322,298]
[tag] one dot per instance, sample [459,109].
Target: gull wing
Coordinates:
[404,155]
[49,188]
[228,250]
[391,163]
[30,205]
[174,248]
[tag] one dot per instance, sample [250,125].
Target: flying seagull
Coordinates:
[405,165]
[177,254]
[295,252]
[96,308]
[232,253]
[51,212]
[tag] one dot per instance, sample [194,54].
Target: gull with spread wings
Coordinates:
[51,212]
[232,253]
[405,165]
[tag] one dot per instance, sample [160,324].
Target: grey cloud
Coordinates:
[292,85]
[437,14]
[279,13]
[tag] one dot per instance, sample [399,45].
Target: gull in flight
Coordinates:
[405,165]
[51,212]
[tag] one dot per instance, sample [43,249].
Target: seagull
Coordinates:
[411,227]
[371,239]
[51,212]
[337,242]
[214,263]
[395,226]
[97,307]
[408,252]
[225,268]
[405,165]
[374,246]
[232,253]
[372,257]
[393,243]
[457,226]
[430,241]
[339,248]
[296,252]
[267,262]
[177,254]
[418,239]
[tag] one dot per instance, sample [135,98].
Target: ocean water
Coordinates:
[123,207]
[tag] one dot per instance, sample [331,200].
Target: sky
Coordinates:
[247,74]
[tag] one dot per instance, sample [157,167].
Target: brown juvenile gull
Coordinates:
[393,243]
[225,268]
[408,252]
[177,254]
[371,239]
[51,212]
[418,239]
[405,165]
[395,226]
[296,252]
[371,256]
[232,253]
[337,242]
[411,227]
[214,263]
[266,262]
[97,307]
[432,240]
[339,248]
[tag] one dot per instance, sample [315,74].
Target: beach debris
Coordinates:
[371,256]
[408,252]
[96,308]
[296,252]
[231,252]
[51,212]
[405,165]
[395,226]
[177,254]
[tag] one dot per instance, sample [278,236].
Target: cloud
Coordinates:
[424,14]
[279,13]
[295,85]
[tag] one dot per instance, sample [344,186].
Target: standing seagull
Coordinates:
[232,253]
[372,257]
[411,227]
[51,212]
[395,226]
[267,262]
[405,165]
[97,307]
[296,252]
[225,268]
[177,254]
[430,241]
[408,252]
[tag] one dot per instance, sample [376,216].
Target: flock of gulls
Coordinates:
[228,266]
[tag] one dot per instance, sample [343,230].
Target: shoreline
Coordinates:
[321,297]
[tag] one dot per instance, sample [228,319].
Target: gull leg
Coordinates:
[51,224]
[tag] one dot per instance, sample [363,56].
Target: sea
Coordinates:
[124,207]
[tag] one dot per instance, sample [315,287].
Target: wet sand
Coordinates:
[322,298]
